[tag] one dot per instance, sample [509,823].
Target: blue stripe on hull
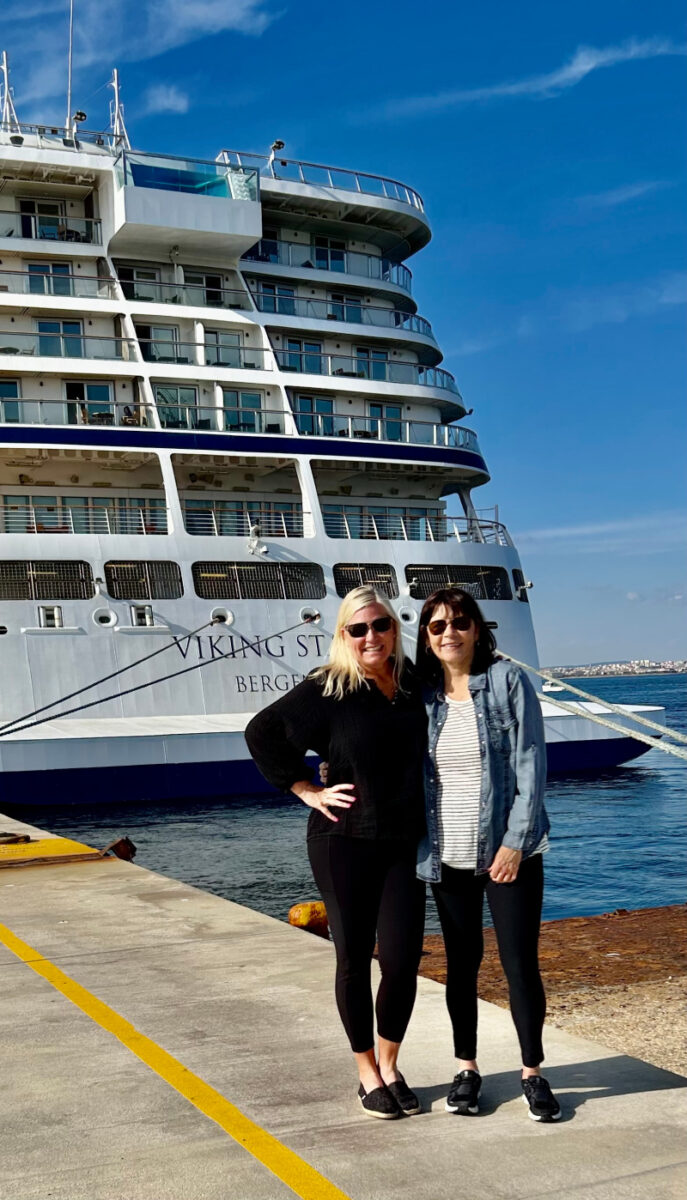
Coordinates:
[174,781]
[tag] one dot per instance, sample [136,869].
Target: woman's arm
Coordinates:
[279,736]
[530,761]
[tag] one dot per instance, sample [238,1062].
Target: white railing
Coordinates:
[65,345]
[254,522]
[386,429]
[47,283]
[319,175]
[29,410]
[194,294]
[62,519]
[49,228]
[403,526]
[348,310]
[316,362]
[323,258]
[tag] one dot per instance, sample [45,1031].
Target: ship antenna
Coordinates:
[117,113]
[68,122]
[8,115]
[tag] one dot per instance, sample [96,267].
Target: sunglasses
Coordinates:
[359,628]
[462,623]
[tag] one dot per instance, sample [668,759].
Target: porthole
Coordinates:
[223,616]
[408,616]
[311,615]
[105,617]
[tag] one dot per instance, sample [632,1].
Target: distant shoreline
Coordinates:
[580,673]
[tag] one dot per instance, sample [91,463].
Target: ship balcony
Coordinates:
[193,295]
[72,515]
[198,206]
[208,518]
[355,522]
[303,256]
[342,366]
[49,228]
[32,411]
[349,311]
[387,429]
[65,344]
[208,354]
[40,281]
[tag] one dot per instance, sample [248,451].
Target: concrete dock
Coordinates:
[161,1043]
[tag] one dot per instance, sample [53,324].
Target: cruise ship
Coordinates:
[219,411]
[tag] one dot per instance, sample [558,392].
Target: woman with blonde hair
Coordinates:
[363,714]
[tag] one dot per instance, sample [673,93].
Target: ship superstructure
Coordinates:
[217,401]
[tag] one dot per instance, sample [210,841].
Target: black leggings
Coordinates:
[516,913]
[370,890]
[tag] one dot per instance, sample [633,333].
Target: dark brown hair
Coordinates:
[460,603]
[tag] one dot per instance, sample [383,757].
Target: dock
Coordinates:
[162,1043]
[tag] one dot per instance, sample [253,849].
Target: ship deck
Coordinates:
[161,1042]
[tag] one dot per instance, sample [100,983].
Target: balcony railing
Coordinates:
[405,527]
[62,519]
[30,411]
[257,521]
[194,294]
[65,345]
[343,310]
[49,228]
[386,429]
[208,354]
[379,371]
[319,175]
[199,177]
[42,283]
[320,258]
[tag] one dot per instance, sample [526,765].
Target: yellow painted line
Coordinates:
[43,848]
[304,1180]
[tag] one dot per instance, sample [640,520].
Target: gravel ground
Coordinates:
[619,979]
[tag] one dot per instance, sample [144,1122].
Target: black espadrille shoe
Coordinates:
[405,1097]
[379,1103]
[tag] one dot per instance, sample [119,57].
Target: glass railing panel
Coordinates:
[350,262]
[49,228]
[153,292]
[27,411]
[40,283]
[57,345]
[195,176]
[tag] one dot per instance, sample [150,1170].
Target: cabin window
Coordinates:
[50,616]
[258,581]
[141,616]
[377,575]
[46,580]
[484,583]
[135,580]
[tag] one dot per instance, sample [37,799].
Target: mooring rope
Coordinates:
[578,711]
[106,678]
[619,709]
[5,732]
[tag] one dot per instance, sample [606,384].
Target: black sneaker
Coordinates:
[379,1103]
[405,1097]
[540,1100]
[463,1098]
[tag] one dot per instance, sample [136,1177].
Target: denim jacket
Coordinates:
[513,753]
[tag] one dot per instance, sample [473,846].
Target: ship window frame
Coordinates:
[366,578]
[151,574]
[480,589]
[243,580]
[32,579]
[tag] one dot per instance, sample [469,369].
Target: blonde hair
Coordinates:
[343,672]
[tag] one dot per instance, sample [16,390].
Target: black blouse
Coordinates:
[370,741]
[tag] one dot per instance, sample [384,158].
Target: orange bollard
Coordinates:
[310,915]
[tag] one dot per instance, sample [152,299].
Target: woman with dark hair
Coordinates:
[487,828]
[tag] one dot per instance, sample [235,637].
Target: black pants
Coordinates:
[516,913]
[370,892]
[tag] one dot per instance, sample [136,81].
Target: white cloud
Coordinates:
[111,32]
[621,195]
[584,61]
[165,98]
[651,533]
[615,305]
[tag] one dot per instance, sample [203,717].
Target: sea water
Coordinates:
[618,838]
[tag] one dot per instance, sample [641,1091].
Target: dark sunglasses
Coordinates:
[462,623]
[359,628]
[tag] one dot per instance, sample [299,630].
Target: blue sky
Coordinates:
[546,140]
